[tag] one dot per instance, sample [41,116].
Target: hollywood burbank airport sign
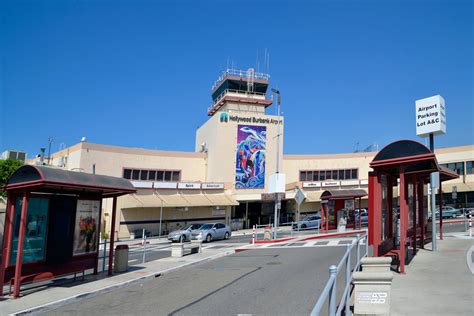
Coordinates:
[430,116]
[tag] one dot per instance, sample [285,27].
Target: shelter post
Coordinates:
[415,228]
[375,215]
[7,239]
[360,217]
[421,212]
[21,239]
[403,217]
[112,235]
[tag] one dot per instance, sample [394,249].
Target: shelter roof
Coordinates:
[49,179]
[343,194]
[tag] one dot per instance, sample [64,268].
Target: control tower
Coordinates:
[240,91]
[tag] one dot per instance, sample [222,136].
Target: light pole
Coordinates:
[277,195]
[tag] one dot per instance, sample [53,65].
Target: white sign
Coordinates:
[142,184]
[189,185]
[311,184]
[430,116]
[299,196]
[210,186]
[331,184]
[165,185]
[277,183]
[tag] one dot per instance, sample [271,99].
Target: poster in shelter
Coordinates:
[86,227]
[250,159]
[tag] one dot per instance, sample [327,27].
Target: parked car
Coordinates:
[449,212]
[364,216]
[183,234]
[211,231]
[313,221]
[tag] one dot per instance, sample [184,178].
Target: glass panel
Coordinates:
[452,166]
[469,169]
[460,168]
[315,175]
[384,207]
[127,173]
[354,174]
[302,175]
[410,205]
[167,175]
[135,174]
[144,175]
[328,174]
[347,174]
[322,175]
[34,245]
[175,176]
[160,176]
[341,175]
[334,175]
[152,175]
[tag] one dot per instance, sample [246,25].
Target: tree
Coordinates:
[7,167]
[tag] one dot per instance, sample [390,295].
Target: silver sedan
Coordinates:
[183,234]
[211,231]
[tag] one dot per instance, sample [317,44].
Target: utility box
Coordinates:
[121,258]
[372,291]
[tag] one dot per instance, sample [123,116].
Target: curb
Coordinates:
[272,241]
[79,297]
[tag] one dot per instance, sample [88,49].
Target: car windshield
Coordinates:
[206,226]
[188,227]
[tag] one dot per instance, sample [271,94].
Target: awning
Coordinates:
[313,196]
[175,200]
[51,179]
[343,194]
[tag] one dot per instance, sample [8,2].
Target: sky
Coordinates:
[139,73]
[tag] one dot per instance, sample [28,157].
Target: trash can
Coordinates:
[121,258]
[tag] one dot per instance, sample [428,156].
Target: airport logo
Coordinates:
[224,117]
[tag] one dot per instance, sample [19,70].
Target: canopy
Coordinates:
[176,200]
[342,194]
[50,179]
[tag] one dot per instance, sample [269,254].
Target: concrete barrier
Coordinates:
[376,264]
[372,293]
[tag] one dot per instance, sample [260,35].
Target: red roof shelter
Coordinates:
[337,199]
[52,223]
[406,164]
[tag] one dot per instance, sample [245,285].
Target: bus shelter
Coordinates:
[337,204]
[403,166]
[53,221]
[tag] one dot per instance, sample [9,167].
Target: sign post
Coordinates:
[431,121]
[299,198]
[434,182]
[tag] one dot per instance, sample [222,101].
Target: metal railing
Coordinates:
[241,73]
[330,290]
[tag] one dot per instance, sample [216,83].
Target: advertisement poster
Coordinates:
[86,227]
[250,160]
[34,245]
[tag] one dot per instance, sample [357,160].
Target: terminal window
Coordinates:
[458,167]
[322,175]
[152,175]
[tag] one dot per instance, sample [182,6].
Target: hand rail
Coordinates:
[329,291]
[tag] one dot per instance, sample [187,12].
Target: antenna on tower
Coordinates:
[257,64]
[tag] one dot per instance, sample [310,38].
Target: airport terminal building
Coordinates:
[225,179]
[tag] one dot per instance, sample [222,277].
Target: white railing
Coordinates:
[242,74]
[330,290]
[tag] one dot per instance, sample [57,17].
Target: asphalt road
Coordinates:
[258,282]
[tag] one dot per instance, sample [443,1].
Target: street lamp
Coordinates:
[277,195]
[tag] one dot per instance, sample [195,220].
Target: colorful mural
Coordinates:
[250,160]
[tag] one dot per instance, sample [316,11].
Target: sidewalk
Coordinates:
[43,300]
[436,283]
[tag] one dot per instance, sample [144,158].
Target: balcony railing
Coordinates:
[248,74]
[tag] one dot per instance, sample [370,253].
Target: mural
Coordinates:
[250,160]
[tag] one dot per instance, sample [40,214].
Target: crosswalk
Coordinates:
[335,242]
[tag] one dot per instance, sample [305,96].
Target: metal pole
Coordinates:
[433,203]
[298,219]
[161,217]
[332,293]
[358,248]
[144,246]
[277,196]
[105,254]
[348,280]
[50,140]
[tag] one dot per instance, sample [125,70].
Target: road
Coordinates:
[272,281]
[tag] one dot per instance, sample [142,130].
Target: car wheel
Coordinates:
[181,239]
[226,236]
[303,226]
[208,238]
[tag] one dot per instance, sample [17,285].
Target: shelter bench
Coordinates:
[47,275]
[177,249]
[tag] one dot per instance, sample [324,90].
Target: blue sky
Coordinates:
[139,73]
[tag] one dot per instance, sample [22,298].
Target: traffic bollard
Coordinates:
[253,236]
